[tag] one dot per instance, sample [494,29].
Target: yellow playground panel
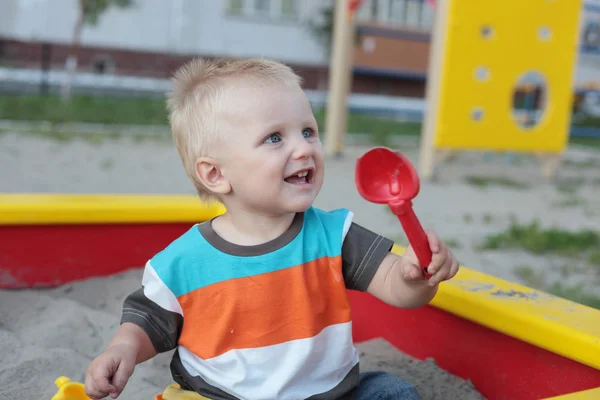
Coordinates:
[501,78]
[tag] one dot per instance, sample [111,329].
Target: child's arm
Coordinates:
[147,328]
[400,281]
[130,334]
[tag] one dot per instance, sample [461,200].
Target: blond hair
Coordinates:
[195,101]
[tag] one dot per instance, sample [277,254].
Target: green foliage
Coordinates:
[93,9]
[538,240]
[106,110]
[485,181]
[323,27]
[576,293]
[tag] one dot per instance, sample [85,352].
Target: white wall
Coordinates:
[178,26]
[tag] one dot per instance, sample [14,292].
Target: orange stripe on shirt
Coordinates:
[266,309]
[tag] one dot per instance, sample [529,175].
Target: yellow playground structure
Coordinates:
[501,79]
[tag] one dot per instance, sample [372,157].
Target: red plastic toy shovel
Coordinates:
[384,176]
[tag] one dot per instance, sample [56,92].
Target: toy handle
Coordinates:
[414,232]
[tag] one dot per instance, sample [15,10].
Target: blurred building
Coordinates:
[154,37]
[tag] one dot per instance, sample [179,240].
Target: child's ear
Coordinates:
[209,173]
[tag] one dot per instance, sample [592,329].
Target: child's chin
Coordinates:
[300,206]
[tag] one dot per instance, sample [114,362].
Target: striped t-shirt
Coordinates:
[270,321]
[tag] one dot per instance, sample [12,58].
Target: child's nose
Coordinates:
[303,149]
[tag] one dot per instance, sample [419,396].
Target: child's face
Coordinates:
[272,156]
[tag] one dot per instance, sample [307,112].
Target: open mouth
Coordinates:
[303,176]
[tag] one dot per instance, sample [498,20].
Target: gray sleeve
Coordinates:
[162,326]
[362,253]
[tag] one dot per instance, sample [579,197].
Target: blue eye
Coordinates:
[274,138]
[307,133]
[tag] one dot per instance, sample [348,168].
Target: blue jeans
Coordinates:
[378,385]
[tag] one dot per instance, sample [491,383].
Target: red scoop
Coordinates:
[384,176]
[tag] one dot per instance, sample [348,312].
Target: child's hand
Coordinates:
[109,372]
[443,266]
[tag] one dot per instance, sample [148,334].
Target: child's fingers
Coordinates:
[441,272]
[438,277]
[90,388]
[121,377]
[94,393]
[103,385]
[453,267]
[97,385]
[434,241]
[446,271]
[437,261]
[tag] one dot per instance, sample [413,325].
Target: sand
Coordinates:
[431,381]
[53,332]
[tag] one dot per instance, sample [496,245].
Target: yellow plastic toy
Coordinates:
[174,392]
[68,390]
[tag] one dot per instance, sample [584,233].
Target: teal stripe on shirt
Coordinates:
[190,262]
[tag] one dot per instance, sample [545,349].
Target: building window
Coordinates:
[397,11]
[414,14]
[103,64]
[365,11]
[374,8]
[269,9]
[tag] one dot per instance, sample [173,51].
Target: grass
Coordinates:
[452,243]
[107,164]
[104,110]
[358,123]
[531,278]
[538,240]
[485,181]
[594,259]
[568,269]
[570,185]
[589,121]
[570,200]
[581,245]
[576,293]
[488,218]
[152,111]
[584,141]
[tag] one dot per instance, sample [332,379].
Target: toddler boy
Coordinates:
[254,301]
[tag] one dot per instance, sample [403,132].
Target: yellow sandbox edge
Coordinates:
[552,323]
[38,209]
[592,394]
[555,324]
